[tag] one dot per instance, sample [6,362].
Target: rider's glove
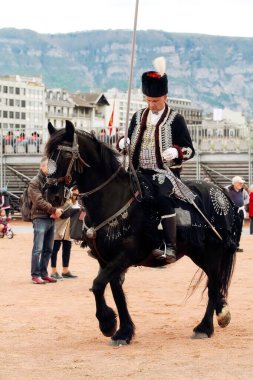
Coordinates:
[122,144]
[170,154]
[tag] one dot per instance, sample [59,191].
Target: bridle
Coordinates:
[74,150]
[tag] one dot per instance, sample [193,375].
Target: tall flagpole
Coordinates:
[131,70]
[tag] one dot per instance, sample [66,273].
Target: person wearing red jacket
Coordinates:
[251,209]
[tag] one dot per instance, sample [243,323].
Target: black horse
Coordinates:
[121,227]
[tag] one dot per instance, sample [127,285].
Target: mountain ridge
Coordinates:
[212,71]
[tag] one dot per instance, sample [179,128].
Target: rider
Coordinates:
[160,141]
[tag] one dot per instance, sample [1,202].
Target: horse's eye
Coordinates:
[67,155]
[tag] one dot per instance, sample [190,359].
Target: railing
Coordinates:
[13,146]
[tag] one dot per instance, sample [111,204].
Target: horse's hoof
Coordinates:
[224,317]
[109,332]
[199,335]
[118,343]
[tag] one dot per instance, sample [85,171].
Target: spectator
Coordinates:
[5,201]
[62,237]
[43,218]
[251,209]
[8,140]
[21,141]
[4,222]
[240,197]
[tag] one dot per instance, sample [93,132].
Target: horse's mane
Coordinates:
[108,155]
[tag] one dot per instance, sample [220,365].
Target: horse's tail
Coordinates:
[226,269]
[229,254]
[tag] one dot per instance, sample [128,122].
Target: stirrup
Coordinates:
[164,255]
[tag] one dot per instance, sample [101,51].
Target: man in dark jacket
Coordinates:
[43,215]
[160,142]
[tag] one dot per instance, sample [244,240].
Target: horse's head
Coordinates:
[77,157]
[63,156]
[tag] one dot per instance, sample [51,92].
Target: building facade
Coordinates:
[119,103]
[22,105]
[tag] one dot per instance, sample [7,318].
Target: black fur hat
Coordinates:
[155,83]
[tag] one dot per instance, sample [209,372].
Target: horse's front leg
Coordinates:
[126,329]
[106,315]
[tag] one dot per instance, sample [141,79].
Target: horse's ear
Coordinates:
[51,128]
[70,129]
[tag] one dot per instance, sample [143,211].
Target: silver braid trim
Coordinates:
[136,132]
[165,132]
[180,189]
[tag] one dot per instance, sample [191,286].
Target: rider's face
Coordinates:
[156,104]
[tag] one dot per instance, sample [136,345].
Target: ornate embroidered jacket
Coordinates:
[170,131]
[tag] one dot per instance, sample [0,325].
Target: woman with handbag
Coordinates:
[62,238]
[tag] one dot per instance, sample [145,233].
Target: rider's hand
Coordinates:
[123,144]
[170,154]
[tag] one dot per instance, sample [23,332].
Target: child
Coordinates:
[3,221]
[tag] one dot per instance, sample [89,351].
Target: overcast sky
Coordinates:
[216,17]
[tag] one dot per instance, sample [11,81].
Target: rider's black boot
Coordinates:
[170,237]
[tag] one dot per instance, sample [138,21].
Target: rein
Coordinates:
[102,185]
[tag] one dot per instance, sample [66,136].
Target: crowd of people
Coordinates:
[20,143]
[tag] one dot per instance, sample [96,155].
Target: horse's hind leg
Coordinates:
[205,328]
[222,312]
[126,329]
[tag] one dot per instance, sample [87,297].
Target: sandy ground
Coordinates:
[50,331]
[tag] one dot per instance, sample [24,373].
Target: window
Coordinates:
[11,90]
[17,103]
[17,115]
[231,133]
[5,89]
[11,114]
[17,91]
[5,114]
[23,115]
[11,102]
[23,103]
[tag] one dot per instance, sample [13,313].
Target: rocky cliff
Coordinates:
[212,71]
